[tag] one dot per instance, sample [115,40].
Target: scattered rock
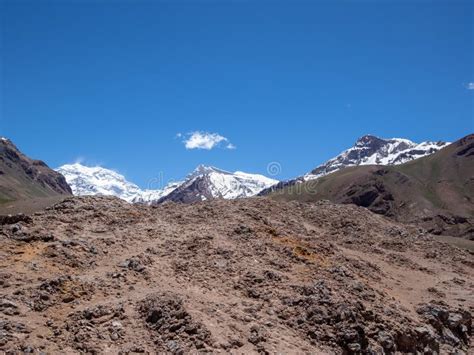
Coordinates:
[8,308]
[133,264]
[453,326]
[12,219]
[173,328]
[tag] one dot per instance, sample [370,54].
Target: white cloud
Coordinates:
[79,160]
[206,140]
[470,86]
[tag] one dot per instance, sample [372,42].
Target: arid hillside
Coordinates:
[99,275]
[26,179]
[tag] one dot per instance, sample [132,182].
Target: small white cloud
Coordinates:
[205,140]
[179,135]
[470,86]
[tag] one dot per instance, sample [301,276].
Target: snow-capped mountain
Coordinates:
[85,180]
[372,150]
[207,182]
[368,150]
[202,184]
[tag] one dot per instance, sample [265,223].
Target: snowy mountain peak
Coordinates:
[209,182]
[205,169]
[201,168]
[93,171]
[87,180]
[368,140]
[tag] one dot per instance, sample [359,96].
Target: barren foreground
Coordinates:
[98,275]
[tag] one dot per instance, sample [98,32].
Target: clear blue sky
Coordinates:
[295,82]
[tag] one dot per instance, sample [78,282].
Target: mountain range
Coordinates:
[203,183]
[206,182]
[428,183]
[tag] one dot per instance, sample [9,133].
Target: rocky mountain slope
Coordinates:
[436,192]
[203,183]
[207,183]
[24,178]
[99,275]
[368,150]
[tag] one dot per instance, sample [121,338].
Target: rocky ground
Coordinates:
[98,275]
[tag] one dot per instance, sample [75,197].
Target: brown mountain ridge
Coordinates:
[23,178]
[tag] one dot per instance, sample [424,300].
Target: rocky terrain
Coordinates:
[99,275]
[24,178]
[435,192]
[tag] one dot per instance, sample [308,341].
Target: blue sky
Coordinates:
[115,83]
